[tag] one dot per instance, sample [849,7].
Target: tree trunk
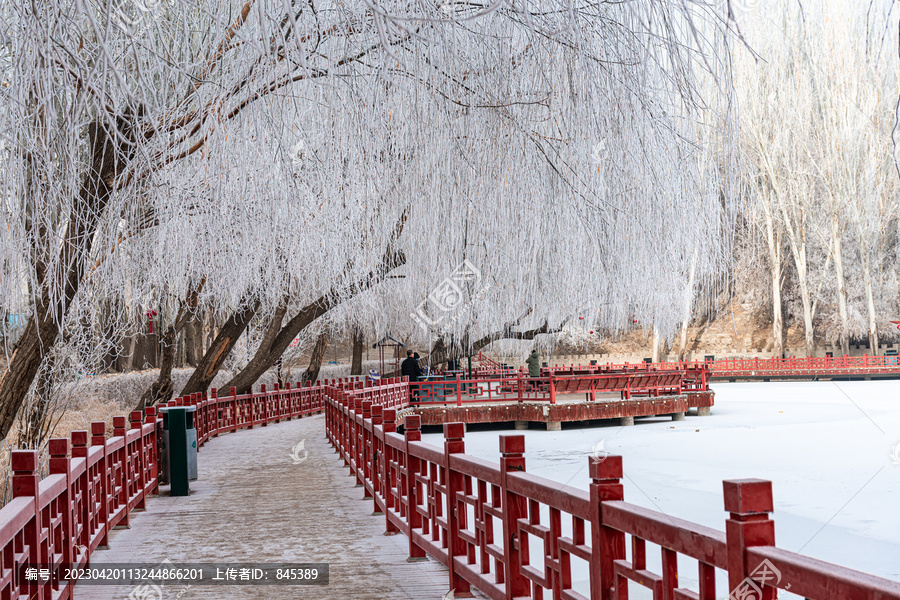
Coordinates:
[438,356]
[507,333]
[163,388]
[210,331]
[809,332]
[55,297]
[794,223]
[37,422]
[315,361]
[268,352]
[797,243]
[108,333]
[193,341]
[128,360]
[773,242]
[357,342]
[688,299]
[777,315]
[270,349]
[842,288]
[870,301]
[682,341]
[218,351]
[655,354]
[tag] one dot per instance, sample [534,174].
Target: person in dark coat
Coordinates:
[534,368]
[534,364]
[410,367]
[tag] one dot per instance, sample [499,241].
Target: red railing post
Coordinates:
[749,502]
[264,400]
[61,464]
[25,484]
[519,385]
[413,433]
[349,429]
[234,408]
[607,544]
[276,396]
[80,450]
[199,416]
[515,507]
[458,391]
[98,438]
[367,448]
[287,405]
[216,413]
[153,458]
[456,509]
[552,388]
[139,460]
[390,426]
[120,480]
[345,428]
[377,451]
[251,406]
[357,431]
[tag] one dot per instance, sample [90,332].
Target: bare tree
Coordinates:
[315,361]
[814,123]
[357,343]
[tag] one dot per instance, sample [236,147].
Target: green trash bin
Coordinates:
[178,448]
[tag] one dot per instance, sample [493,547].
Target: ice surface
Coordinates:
[826,446]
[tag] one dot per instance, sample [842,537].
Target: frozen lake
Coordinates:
[831,449]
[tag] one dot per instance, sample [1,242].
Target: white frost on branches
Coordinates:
[269,148]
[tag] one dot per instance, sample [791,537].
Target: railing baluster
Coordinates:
[456,546]
[749,502]
[514,507]
[413,433]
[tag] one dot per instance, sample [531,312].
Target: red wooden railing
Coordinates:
[95,482]
[518,387]
[511,534]
[727,367]
[486,362]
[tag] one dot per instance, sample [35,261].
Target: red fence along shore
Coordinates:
[496,527]
[511,534]
[95,482]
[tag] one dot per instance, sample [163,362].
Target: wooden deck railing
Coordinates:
[95,482]
[518,387]
[511,534]
[727,367]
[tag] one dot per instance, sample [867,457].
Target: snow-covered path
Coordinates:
[831,449]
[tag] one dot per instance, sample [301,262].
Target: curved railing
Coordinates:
[727,367]
[95,482]
[490,387]
[512,534]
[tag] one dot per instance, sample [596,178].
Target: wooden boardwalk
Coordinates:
[252,503]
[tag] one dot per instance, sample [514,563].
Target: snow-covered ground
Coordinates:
[831,449]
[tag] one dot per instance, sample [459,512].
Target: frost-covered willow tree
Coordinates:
[817,107]
[558,189]
[274,158]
